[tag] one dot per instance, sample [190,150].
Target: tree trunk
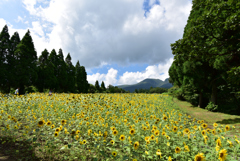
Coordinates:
[214,93]
[200,102]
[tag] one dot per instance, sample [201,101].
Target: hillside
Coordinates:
[146,84]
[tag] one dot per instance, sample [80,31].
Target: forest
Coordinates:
[206,66]
[21,68]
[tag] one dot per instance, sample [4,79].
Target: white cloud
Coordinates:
[109,78]
[112,31]
[159,71]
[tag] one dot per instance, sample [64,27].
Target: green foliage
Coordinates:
[211,107]
[20,67]
[207,57]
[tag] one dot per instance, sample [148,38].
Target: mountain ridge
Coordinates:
[146,84]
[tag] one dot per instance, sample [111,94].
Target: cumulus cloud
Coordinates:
[159,71]
[113,31]
[109,78]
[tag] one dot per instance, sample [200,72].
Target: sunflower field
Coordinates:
[113,127]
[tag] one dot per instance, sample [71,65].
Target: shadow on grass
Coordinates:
[18,150]
[229,121]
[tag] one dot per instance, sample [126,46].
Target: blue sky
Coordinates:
[119,42]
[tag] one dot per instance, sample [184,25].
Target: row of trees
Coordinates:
[152,90]
[20,67]
[206,65]
[102,89]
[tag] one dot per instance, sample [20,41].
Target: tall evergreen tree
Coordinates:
[97,86]
[81,78]
[103,88]
[46,77]
[70,73]
[11,61]
[26,58]
[4,49]
[53,59]
[61,71]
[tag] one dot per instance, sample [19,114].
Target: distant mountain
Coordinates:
[146,84]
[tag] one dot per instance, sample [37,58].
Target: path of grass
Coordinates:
[210,117]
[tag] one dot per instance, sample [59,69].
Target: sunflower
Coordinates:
[186,148]
[165,118]
[136,145]
[227,128]
[78,131]
[132,131]
[147,138]
[56,134]
[52,126]
[186,130]
[134,160]
[230,143]
[163,133]
[204,125]
[222,155]
[169,158]
[114,153]
[157,132]
[199,157]
[215,125]
[203,132]
[84,141]
[177,150]
[152,137]
[40,123]
[218,141]
[181,127]
[112,142]
[175,128]
[122,137]
[90,131]
[159,153]
[63,122]
[115,132]
[57,129]
[213,131]
[49,123]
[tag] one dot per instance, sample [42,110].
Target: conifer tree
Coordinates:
[81,78]
[103,88]
[97,86]
[70,73]
[11,61]
[61,71]
[4,49]
[53,59]
[26,58]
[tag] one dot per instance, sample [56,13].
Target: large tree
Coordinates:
[70,74]
[208,53]
[26,58]
[11,61]
[4,49]
[46,77]
[81,78]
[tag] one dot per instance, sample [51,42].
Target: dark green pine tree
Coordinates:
[26,60]
[81,78]
[11,68]
[70,74]
[103,88]
[97,86]
[46,77]
[53,59]
[4,49]
[61,72]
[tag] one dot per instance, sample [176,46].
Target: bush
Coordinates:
[211,106]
